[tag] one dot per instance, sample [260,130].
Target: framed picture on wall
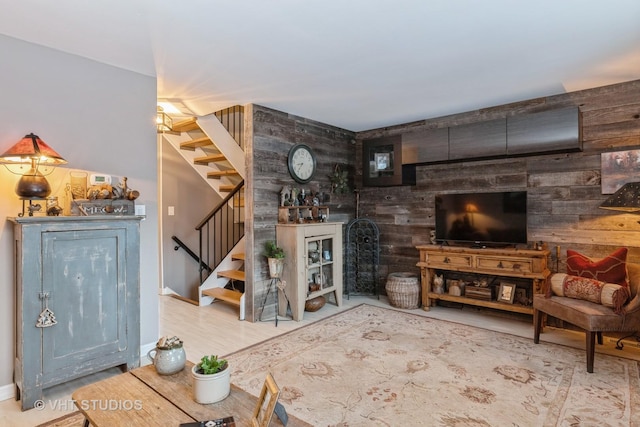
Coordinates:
[618,168]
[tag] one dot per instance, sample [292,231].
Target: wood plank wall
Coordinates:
[563,189]
[271,134]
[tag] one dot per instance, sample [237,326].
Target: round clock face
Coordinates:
[302,163]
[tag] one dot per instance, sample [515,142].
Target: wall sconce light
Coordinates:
[626,199]
[163,121]
[32,151]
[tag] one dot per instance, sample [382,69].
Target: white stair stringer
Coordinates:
[189,156]
[213,281]
[223,140]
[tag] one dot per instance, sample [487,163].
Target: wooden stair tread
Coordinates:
[212,158]
[238,255]
[229,187]
[226,188]
[186,125]
[195,143]
[223,294]
[220,174]
[233,274]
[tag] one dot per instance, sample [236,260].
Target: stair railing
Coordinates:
[187,249]
[221,230]
[232,119]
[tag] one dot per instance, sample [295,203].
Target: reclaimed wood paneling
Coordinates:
[563,189]
[271,135]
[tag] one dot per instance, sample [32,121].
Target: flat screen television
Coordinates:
[482,219]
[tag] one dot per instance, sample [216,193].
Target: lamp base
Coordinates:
[29,207]
[33,184]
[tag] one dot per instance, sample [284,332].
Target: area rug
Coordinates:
[376,366]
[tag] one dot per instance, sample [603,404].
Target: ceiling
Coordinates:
[355,64]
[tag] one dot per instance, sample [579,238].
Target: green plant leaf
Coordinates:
[210,365]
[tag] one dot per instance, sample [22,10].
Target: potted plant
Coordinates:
[211,380]
[275,257]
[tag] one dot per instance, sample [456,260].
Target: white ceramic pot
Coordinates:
[211,388]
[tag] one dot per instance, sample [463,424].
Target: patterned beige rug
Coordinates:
[375,366]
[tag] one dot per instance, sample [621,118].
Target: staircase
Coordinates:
[218,157]
[231,296]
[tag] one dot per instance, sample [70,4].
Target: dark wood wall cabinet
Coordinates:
[77,299]
[389,160]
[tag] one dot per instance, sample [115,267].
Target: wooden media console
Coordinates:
[490,262]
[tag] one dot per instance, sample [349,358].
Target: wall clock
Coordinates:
[302,163]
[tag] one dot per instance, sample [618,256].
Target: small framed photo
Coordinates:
[507,292]
[383,162]
[266,404]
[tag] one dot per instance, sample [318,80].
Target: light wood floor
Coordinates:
[215,329]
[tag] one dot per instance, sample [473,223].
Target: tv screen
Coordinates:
[482,218]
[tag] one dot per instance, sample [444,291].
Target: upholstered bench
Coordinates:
[593,318]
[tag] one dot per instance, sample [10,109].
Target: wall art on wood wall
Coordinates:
[618,168]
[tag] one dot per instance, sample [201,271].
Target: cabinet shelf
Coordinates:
[302,214]
[314,294]
[517,308]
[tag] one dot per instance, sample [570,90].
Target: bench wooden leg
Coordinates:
[591,349]
[537,325]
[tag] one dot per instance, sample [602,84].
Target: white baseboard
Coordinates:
[7,392]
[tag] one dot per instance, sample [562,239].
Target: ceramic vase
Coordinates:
[167,361]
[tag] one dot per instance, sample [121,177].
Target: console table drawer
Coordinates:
[449,260]
[504,264]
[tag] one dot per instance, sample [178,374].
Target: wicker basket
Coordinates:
[403,290]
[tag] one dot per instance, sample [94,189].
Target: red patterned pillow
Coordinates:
[607,294]
[611,269]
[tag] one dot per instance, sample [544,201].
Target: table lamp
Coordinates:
[626,199]
[32,151]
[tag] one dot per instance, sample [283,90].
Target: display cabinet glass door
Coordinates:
[319,265]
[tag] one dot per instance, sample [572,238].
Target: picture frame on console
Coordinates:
[266,404]
[507,292]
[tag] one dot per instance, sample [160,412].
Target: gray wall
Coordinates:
[99,118]
[192,198]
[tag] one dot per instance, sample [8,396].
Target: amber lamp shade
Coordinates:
[32,151]
[626,199]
